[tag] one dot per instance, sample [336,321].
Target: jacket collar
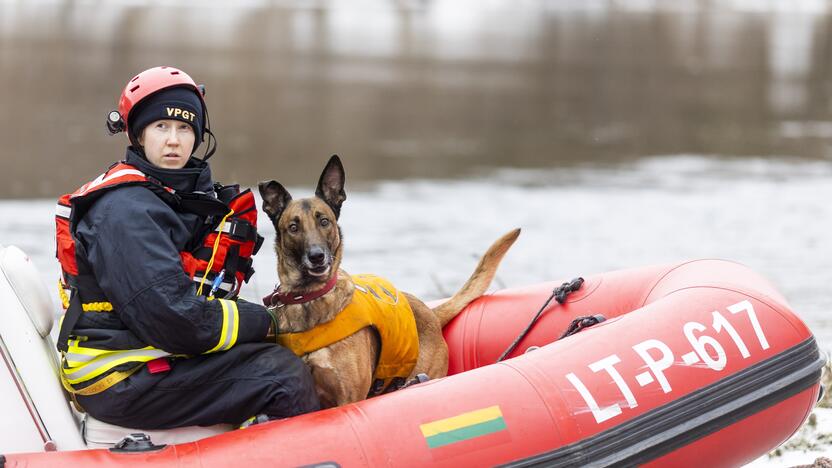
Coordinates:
[194,177]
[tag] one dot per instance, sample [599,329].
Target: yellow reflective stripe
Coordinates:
[225,313]
[235,325]
[107,361]
[77,361]
[230,326]
[90,351]
[93,371]
[77,356]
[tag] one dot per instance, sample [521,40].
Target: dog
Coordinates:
[314,291]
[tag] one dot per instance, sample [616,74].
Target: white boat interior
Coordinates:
[38,413]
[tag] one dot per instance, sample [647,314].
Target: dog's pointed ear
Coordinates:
[275,198]
[331,185]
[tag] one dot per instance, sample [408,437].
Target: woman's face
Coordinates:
[168,143]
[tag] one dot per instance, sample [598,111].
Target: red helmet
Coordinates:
[143,85]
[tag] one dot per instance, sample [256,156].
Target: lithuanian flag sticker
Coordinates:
[466,426]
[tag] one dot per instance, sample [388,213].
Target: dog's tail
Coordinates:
[478,283]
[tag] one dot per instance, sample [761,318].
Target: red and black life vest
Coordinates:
[226,248]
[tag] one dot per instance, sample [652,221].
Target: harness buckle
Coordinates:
[420,378]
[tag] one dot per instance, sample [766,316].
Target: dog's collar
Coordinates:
[278,298]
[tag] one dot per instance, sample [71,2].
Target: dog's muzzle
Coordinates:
[317,261]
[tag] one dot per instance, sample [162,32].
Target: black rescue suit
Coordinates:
[213,366]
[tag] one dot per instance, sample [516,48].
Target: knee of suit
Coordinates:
[294,400]
[294,391]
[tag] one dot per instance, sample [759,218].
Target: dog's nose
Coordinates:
[316,256]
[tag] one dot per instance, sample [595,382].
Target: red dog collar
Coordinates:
[276,298]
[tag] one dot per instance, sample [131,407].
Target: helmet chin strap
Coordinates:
[209,149]
[211,146]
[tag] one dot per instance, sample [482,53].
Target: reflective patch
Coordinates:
[105,361]
[230,326]
[394,297]
[62,211]
[373,292]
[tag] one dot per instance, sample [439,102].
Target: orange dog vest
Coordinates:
[375,303]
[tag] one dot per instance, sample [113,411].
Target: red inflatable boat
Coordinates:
[697,364]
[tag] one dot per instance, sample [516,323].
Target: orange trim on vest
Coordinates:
[120,174]
[375,303]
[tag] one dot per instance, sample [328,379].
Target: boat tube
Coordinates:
[697,363]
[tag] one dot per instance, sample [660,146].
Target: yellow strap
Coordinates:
[97,307]
[213,252]
[62,295]
[102,384]
[88,307]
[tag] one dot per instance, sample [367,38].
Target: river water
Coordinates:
[425,235]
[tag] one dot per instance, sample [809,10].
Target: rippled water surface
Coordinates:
[425,235]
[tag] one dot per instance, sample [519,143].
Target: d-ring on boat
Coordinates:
[700,362]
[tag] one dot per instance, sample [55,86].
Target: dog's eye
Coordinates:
[293,227]
[324,222]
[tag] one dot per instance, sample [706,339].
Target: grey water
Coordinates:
[616,133]
[425,235]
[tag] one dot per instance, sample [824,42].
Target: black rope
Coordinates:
[560,294]
[580,323]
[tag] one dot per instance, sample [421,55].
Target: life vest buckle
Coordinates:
[240,229]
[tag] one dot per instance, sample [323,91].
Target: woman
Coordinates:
[144,249]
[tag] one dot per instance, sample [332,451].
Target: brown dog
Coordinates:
[309,247]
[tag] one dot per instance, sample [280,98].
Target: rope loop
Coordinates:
[560,294]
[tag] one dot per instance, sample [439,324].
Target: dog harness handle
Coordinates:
[278,298]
